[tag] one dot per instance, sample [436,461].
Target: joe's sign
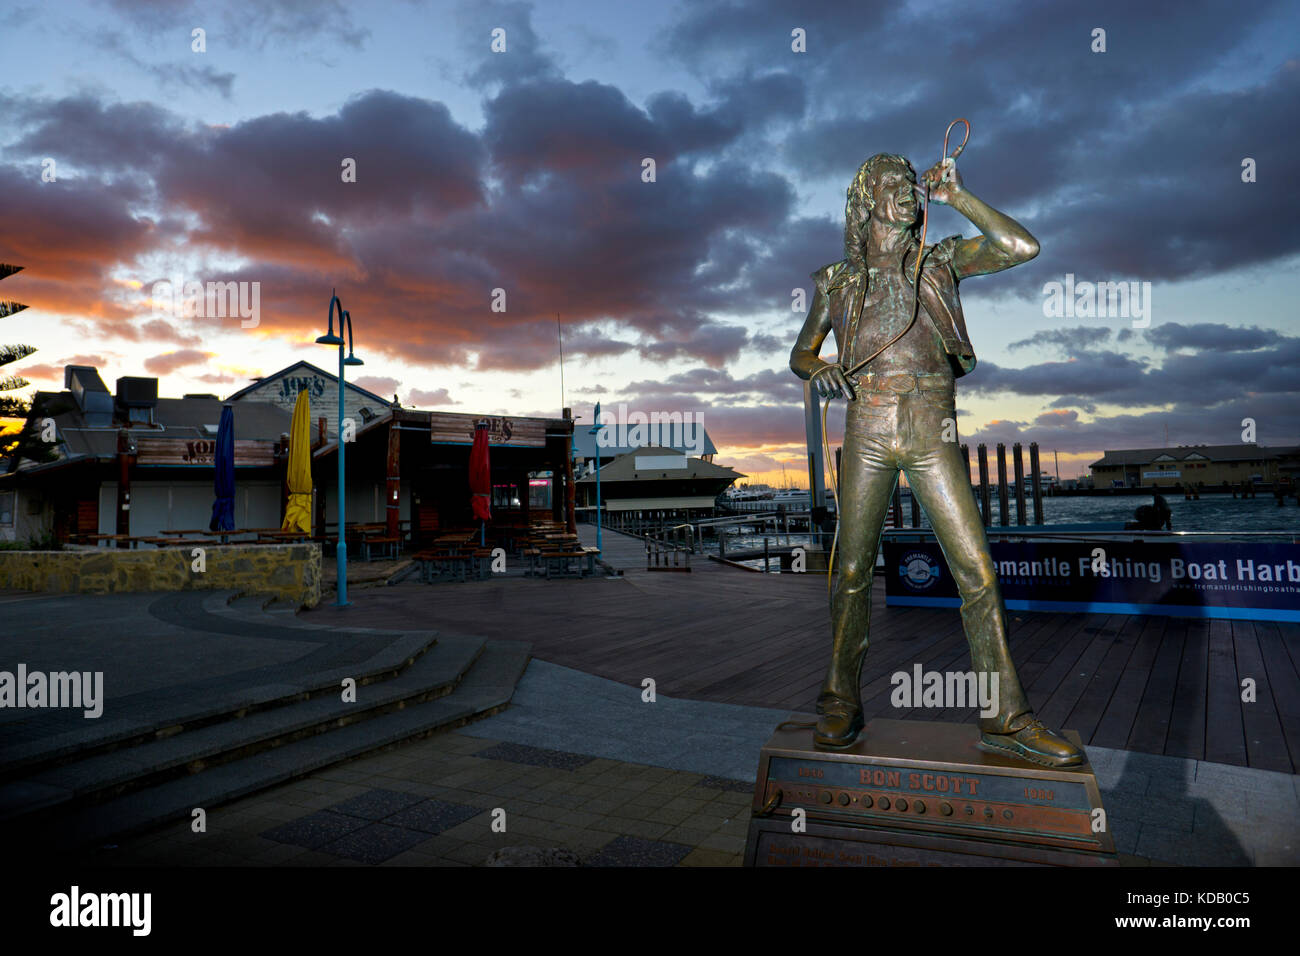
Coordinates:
[201,452]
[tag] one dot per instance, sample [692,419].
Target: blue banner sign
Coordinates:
[1255,582]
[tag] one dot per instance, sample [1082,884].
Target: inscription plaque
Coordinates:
[917,793]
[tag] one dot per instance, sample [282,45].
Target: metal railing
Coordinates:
[775,546]
[670,549]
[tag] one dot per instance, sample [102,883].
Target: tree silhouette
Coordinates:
[29,440]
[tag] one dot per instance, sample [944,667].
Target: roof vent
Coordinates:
[90,393]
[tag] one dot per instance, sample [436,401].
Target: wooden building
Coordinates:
[657,481]
[131,463]
[407,465]
[1191,466]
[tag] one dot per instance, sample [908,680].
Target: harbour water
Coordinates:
[1212,512]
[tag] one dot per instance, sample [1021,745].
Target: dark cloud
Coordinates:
[274,23]
[1124,164]
[1111,151]
[1069,341]
[1213,337]
[523,60]
[1204,377]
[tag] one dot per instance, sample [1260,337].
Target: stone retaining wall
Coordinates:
[288,571]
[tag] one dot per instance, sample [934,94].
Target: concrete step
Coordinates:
[486,689]
[179,709]
[105,775]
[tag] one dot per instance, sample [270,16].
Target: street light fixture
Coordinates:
[329,338]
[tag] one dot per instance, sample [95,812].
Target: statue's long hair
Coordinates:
[858,197]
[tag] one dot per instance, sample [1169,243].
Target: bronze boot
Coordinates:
[838,722]
[1036,743]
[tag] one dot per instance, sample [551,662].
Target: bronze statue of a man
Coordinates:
[901,409]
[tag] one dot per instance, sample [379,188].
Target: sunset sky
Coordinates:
[522,170]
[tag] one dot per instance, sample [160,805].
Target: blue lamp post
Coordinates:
[596,431]
[329,338]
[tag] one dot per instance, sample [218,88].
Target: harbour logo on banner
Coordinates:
[918,570]
[1249,581]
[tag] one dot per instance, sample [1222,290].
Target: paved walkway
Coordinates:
[580,760]
[1158,685]
[586,764]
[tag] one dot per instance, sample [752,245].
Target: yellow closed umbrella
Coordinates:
[297,514]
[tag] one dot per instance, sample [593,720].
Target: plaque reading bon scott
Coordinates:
[921,793]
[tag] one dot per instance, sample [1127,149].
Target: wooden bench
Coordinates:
[558,563]
[436,565]
[388,546]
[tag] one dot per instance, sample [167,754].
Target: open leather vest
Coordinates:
[859,335]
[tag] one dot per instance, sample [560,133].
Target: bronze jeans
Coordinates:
[886,433]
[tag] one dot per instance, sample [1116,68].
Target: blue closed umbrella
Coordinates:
[223,509]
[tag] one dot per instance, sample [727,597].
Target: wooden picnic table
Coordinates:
[434,564]
[283,537]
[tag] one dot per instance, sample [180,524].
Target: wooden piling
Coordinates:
[1004,505]
[986,503]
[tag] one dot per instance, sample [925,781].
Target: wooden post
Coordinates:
[282,466]
[124,462]
[322,431]
[570,487]
[393,486]
[1017,453]
[1004,506]
[986,503]
[1037,488]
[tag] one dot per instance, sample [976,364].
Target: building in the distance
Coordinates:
[685,438]
[656,481]
[1193,466]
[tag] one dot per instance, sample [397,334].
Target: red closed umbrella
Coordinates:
[480,474]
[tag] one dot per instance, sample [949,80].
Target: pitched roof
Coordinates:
[178,418]
[315,370]
[688,438]
[639,465]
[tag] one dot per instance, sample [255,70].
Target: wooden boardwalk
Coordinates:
[1152,684]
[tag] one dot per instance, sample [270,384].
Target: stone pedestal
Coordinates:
[921,793]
